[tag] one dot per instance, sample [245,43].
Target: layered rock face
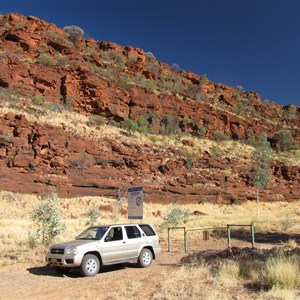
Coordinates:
[36,158]
[101,78]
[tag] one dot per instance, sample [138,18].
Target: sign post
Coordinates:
[135,203]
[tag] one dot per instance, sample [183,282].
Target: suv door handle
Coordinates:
[124,242]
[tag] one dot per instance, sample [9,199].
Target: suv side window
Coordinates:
[132,232]
[114,234]
[147,229]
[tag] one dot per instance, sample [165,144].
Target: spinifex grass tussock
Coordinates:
[279,294]
[283,272]
[266,269]
[229,272]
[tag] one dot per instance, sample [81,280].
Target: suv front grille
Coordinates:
[57,251]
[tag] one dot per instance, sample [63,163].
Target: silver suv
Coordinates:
[98,246]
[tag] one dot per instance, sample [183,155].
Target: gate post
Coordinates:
[185,241]
[252,236]
[228,236]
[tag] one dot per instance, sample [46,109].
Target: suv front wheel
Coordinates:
[90,265]
[145,258]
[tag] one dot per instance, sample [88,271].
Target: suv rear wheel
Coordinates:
[145,258]
[90,265]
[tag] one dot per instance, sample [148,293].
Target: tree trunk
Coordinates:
[257,202]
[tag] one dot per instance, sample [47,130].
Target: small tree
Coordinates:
[149,55]
[92,216]
[261,174]
[142,124]
[175,216]
[129,125]
[47,219]
[283,140]
[251,138]
[74,32]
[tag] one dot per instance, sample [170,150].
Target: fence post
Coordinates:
[169,246]
[252,236]
[185,241]
[228,236]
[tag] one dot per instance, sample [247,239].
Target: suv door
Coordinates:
[114,245]
[135,240]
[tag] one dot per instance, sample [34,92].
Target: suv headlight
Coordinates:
[72,250]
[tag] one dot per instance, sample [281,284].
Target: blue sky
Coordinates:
[252,43]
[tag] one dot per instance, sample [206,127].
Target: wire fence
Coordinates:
[212,237]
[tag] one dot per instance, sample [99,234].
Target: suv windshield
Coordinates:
[92,233]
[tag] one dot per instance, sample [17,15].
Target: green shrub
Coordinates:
[7,136]
[251,138]
[176,67]
[240,88]
[142,125]
[203,80]
[289,113]
[97,120]
[122,82]
[283,140]
[201,131]
[95,68]
[153,67]
[216,151]
[119,59]
[74,32]
[89,51]
[45,60]
[175,216]
[38,100]
[234,200]
[189,161]
[129,125]
[53,35]
[53,106]
[86,160]
[150,56]
[170,125]
[220,136]
[149,85]
[92,216]
[47,219]
[31,240]
[132,59]
[62,60]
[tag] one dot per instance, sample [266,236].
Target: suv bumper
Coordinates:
[56,260]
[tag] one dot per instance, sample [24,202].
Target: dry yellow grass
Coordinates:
[283,272]
[17,230]
[184,283]
[278,294]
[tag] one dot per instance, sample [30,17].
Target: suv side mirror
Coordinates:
[108,238]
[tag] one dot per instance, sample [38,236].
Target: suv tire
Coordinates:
[145,258]
[90,265]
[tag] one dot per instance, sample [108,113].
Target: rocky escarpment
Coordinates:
[38,59]
[46,73]
[36,158]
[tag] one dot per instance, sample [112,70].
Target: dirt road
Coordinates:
[23,281]
[164,279]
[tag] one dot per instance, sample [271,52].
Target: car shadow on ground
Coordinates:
[75,273]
